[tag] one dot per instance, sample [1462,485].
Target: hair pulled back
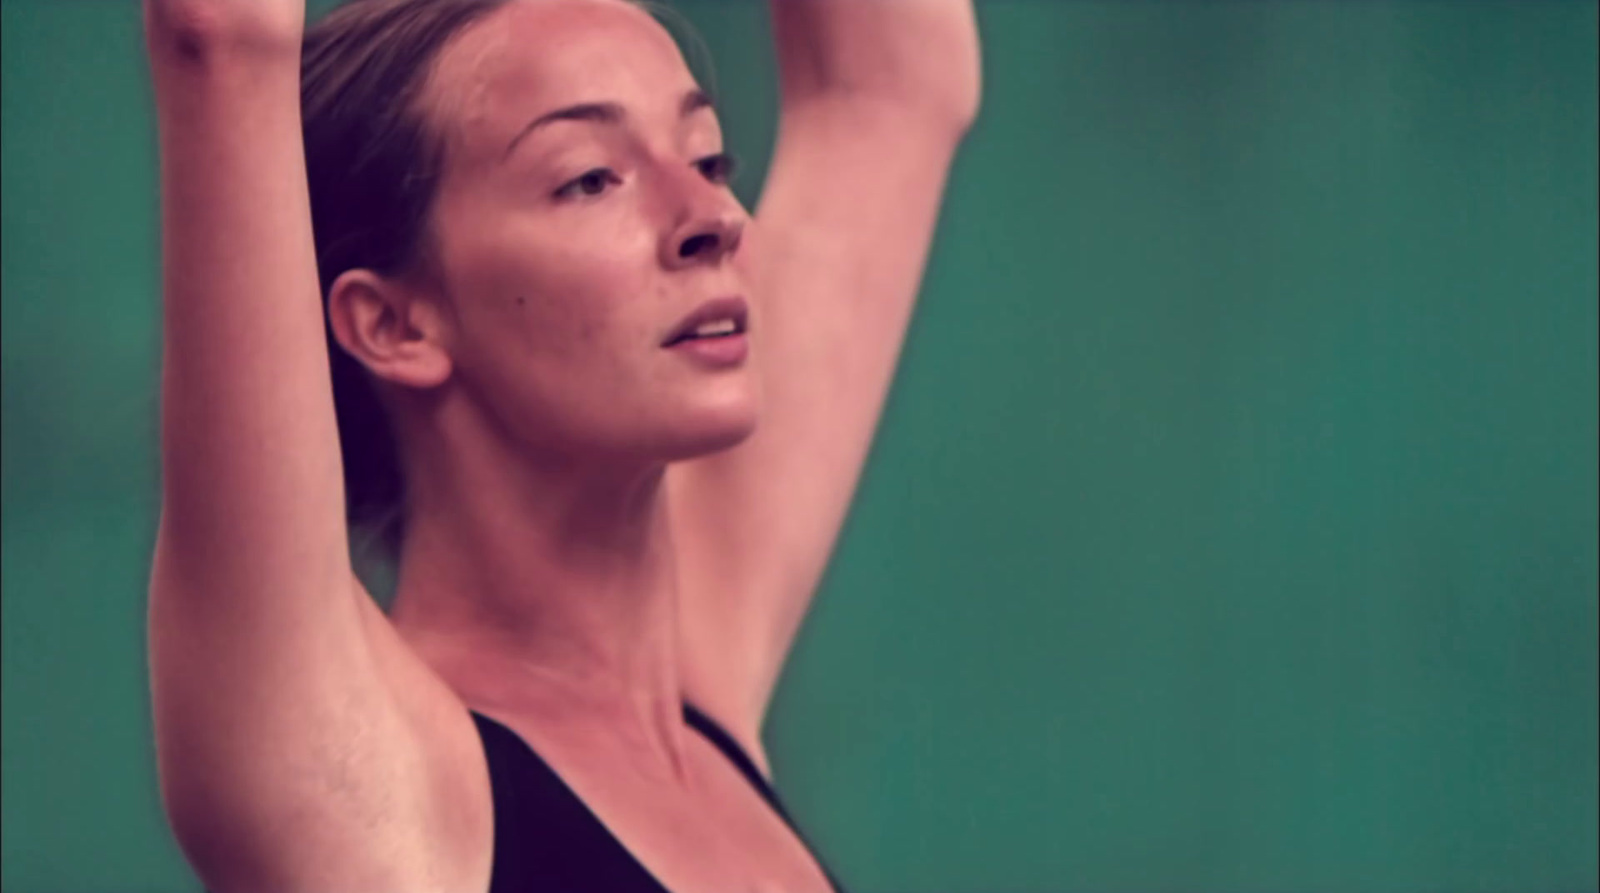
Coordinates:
[373,166]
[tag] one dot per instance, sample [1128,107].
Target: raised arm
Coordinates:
[876,97]
[285,762]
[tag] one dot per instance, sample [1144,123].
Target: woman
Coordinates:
[626,422]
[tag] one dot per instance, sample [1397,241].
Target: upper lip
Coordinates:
[733,308]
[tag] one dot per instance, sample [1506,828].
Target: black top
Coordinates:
[545,838]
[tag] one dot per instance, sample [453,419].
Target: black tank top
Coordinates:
[545,838]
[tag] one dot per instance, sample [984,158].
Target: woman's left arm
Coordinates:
[876,98]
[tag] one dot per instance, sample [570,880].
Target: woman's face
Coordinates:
[569,250]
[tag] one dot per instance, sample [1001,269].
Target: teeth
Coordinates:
[716,327]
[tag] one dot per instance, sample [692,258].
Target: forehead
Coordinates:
[532,56]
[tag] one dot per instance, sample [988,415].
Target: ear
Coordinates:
[396,332]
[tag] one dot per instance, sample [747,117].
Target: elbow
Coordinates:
[945,76]
[964,103]
[945,109]
[924,57]
[950,97]
[206,32]
[951,105]
[960,88]
[947,96]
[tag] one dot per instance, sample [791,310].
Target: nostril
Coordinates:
[696,244]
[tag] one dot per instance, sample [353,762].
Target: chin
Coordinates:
[710,427]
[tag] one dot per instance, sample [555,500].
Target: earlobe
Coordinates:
[393,332]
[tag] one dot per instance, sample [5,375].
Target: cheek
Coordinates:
[553,320]
[559,306]
[570,288]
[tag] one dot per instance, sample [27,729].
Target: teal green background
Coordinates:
[1232,525]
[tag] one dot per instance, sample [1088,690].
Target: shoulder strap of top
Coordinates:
[730,748]
[724,742]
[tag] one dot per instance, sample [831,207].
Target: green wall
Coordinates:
[1232,526]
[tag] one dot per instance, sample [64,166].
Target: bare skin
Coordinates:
[601,528]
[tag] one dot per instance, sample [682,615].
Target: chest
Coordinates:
[569,815]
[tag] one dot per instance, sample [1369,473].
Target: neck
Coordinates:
[548,589]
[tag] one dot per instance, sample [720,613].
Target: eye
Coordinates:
[719,168]
[591,183]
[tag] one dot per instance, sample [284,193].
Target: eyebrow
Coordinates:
[606,113]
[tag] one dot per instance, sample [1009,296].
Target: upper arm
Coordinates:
[840,240]
[286,760]
[287,756]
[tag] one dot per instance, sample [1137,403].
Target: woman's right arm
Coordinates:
[286,759]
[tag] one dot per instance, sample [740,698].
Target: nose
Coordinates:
[712,227]
[713,241]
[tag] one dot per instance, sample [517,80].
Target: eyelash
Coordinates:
[719,168]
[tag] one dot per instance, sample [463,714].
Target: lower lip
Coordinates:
[725,350]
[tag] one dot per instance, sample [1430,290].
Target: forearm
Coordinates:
[918,51]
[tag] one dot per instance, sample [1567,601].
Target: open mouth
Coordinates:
[710,331]
[721,318]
